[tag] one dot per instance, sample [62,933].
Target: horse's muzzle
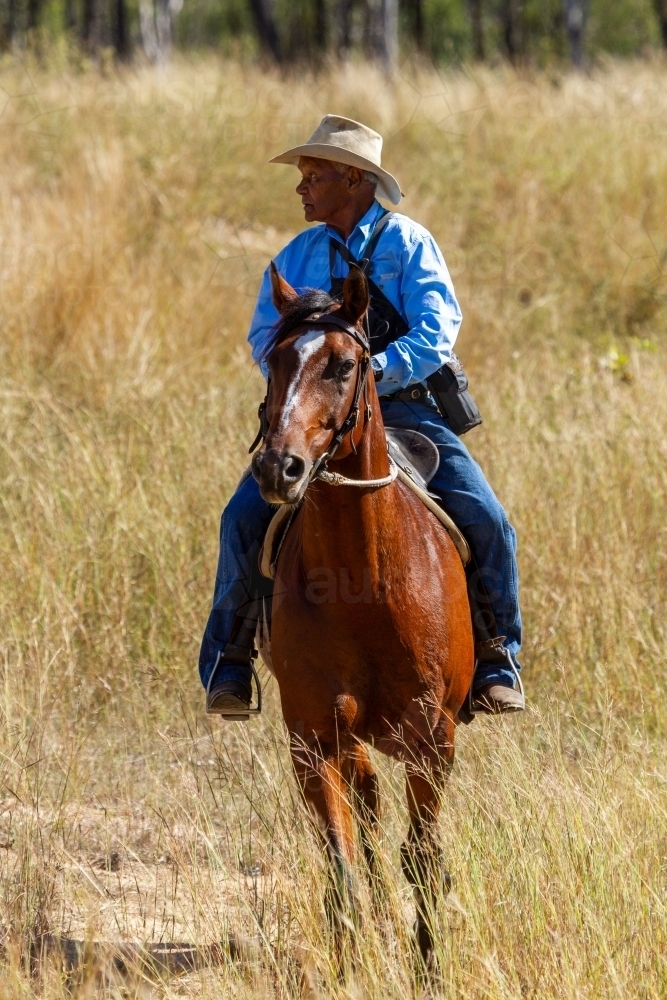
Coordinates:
[282,477]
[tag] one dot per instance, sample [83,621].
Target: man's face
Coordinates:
[324,191]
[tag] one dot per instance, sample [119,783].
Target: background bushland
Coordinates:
[137,214]
[527,32]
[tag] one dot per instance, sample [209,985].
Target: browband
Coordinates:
[331,319]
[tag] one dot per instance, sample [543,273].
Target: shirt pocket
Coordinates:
[314,271]
[386,266]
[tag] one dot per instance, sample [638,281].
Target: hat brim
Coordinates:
[388,187]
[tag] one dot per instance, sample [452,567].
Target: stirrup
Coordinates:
[245,714]
[470,710]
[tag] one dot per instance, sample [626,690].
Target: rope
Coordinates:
[335,479]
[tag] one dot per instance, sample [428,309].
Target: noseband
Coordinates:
[319,466]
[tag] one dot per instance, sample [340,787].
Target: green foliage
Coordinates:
[308,27]
[224,23]
[447,34]
[622,27]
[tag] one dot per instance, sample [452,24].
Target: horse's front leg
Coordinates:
[421,854]
[364,780]
[320,771]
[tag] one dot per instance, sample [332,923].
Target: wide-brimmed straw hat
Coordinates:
[345,141]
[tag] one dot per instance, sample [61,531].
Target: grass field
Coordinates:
[137,213]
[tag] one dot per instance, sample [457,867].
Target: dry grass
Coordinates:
[137,213]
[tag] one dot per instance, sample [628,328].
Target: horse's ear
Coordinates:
[282,293]
[355,295]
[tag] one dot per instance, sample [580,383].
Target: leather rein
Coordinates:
[319,470]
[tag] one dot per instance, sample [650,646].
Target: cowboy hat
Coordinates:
[343,140]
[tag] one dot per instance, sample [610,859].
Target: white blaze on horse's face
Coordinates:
[312,379]
[306,346]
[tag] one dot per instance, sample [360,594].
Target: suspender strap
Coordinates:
[335,246]
[384,322]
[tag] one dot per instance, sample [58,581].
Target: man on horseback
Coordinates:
[413,323]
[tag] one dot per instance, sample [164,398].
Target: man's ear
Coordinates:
[282,293]
[355,178]
[355,295]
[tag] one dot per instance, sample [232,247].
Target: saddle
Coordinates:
[417,460]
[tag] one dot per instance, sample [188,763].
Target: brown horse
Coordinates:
[371,638]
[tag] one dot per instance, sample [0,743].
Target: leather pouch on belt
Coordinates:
[449,388]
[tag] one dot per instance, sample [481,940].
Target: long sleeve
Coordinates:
[303,263]
[410,270]
[264,317]
[429,306]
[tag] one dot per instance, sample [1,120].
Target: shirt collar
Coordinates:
[362,231]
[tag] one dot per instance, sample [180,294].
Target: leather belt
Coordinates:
[413,394]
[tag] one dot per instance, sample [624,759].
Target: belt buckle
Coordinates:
[416,393]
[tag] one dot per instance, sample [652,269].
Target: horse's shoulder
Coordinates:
[434,526]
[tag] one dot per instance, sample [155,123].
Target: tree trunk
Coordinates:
[382,31]
[121,31]
[575,17]
[156,22]
[34,7]
[477,23]
[661,11]
[91,25]
[148,31]
[9,26]
[265,26]
[509,18]
[163,26]
[390,33]
[415,12]
[343,27]
[70,19]
[321,34]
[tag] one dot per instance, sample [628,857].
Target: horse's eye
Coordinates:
[346,368]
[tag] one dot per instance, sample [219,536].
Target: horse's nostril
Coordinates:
[294,467]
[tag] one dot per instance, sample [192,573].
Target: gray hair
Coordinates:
[342,168]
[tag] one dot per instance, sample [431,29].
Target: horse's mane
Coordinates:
[312,300]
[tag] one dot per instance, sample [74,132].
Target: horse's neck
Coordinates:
[343,523]
[370,460]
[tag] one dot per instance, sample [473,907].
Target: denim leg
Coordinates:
[473,505]
[242,529]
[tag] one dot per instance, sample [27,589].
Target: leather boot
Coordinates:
[496,698]
[229,690]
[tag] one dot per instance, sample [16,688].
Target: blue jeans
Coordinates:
[466,496]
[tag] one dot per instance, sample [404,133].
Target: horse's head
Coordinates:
[316,374]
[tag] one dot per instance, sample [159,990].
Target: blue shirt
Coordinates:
[409,268]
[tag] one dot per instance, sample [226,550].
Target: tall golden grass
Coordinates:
[137,214]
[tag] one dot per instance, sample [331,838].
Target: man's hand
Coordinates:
[378,370]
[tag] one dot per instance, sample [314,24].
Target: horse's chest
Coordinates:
[371,650]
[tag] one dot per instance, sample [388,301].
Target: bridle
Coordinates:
[319,470]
